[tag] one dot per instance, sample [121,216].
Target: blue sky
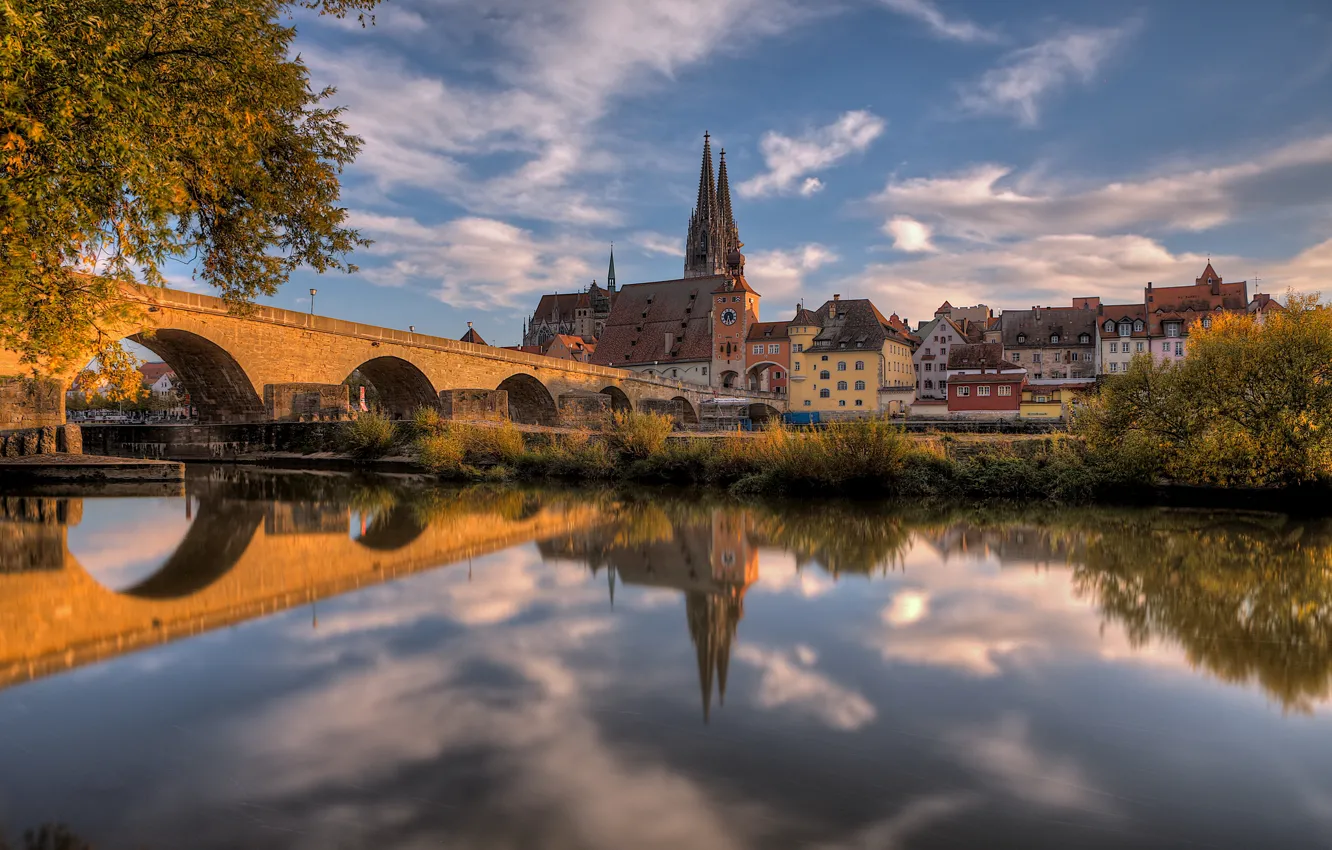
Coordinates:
[903,150]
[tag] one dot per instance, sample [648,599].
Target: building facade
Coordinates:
[943,333]
[768,357]
[1050,342]
[844,354]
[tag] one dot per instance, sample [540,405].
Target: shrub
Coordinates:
[427,420]
[639,435]
[490,445]
[369,435]
[441,453]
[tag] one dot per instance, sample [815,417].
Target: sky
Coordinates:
[906,151]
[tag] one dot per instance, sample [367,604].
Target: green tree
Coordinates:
[133,132]
[1251,404]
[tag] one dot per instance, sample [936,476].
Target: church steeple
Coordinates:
[730,233]
[610,273]
[705,253]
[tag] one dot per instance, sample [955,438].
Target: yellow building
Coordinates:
[844,355]
[1051,399]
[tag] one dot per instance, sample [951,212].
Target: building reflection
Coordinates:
[711,555]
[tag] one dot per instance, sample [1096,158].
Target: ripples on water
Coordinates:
[272,660]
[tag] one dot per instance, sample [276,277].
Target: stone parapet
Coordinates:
[30,403]
[585,410]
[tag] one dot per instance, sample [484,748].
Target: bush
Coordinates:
[427,420]
[441,453]
[639,435]
[491,445]
[369,435]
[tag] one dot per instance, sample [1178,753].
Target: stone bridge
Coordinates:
[240,559]
[238,367]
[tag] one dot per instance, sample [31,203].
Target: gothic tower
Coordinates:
[705,253]
[610,273]
[730,234]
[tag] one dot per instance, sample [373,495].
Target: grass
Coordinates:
[865,457]
[369,435]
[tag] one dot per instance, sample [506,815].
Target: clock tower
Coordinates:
[735,308]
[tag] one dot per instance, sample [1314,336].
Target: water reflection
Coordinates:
[507,667]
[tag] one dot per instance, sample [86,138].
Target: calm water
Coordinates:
[274,660]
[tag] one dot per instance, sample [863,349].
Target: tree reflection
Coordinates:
[48,837]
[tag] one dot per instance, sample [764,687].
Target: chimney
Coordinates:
[1149,284]
[832,308]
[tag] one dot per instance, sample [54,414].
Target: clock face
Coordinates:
[728,316]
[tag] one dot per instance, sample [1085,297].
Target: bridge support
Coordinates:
[585,410]
[305,402]
[475,405]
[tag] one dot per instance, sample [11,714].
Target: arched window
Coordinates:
[1084,338]
[841,365]
[1137,326]
[823,393]
[1022,339]
[860,365]
[841,385]
[860,385]
[825,375]
[929,385]
[1109,326]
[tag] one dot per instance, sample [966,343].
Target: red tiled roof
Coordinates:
[985,355]
[805,318]
[736,284]
[151,372]
[558,306]
[1006,376]
[944,307]
[646,313]
[526,349]
[1123,313]
[472,336]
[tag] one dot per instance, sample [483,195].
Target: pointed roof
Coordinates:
[943,308]
[730,234]
[610,272]
[1209,273]
[472,336]
[805,317]
[706,207]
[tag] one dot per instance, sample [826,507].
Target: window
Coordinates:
[860,402]
[860,385]
[774,348]
[1005,389]
[1165,346]
[825,375]
[929,367]
[796,368]
[1017,356]
[758,349]
[927,350]
[1207,321]
[824,394]
[776,376]
[964,391]
[797,347]
[1114,367]
[1172,329]
[1054,339]
[1137,326]
[841,385]
[841,365]
[1040,399]
[841,402]
[1125,329]
[1109,327]
[806,402]
[1035,357]
[1022,339]
[860,365]
[982,390]
[1073,356]
[1137,346]
[705,370]
[929,385]
[943,387]
[1179,349]
[1084,338]
[1114,348]
[824,358]
[1057,353]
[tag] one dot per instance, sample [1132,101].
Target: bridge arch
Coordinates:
[221,531]
[619,400]
[530,403]
[685,413]
[730,379]
[402,387]
[760,412]
[218,386]
[755,374]
[390,529]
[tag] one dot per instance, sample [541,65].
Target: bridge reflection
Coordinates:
[1246,598]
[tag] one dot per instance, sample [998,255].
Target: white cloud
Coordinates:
[779,275]
[909,235]
[907,607]
[1030,75]
[789,681]
[473,262]
[956,29]
[790,159]
[557,68]
[659,243]
[810,186]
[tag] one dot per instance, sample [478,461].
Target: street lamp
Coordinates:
[312,295]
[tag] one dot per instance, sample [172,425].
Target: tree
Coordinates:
[133,132]
[1251,404]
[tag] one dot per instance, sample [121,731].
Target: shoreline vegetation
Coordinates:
[1248,409]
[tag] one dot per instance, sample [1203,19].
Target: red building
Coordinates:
[767,356]
[988,392]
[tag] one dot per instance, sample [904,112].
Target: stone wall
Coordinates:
[585,410]
[30,403]
[305,402]
[47,440]
[475,405]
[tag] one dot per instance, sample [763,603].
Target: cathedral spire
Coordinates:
[704,254]
[730,234]
[610,273]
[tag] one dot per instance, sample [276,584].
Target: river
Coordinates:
[268,659]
